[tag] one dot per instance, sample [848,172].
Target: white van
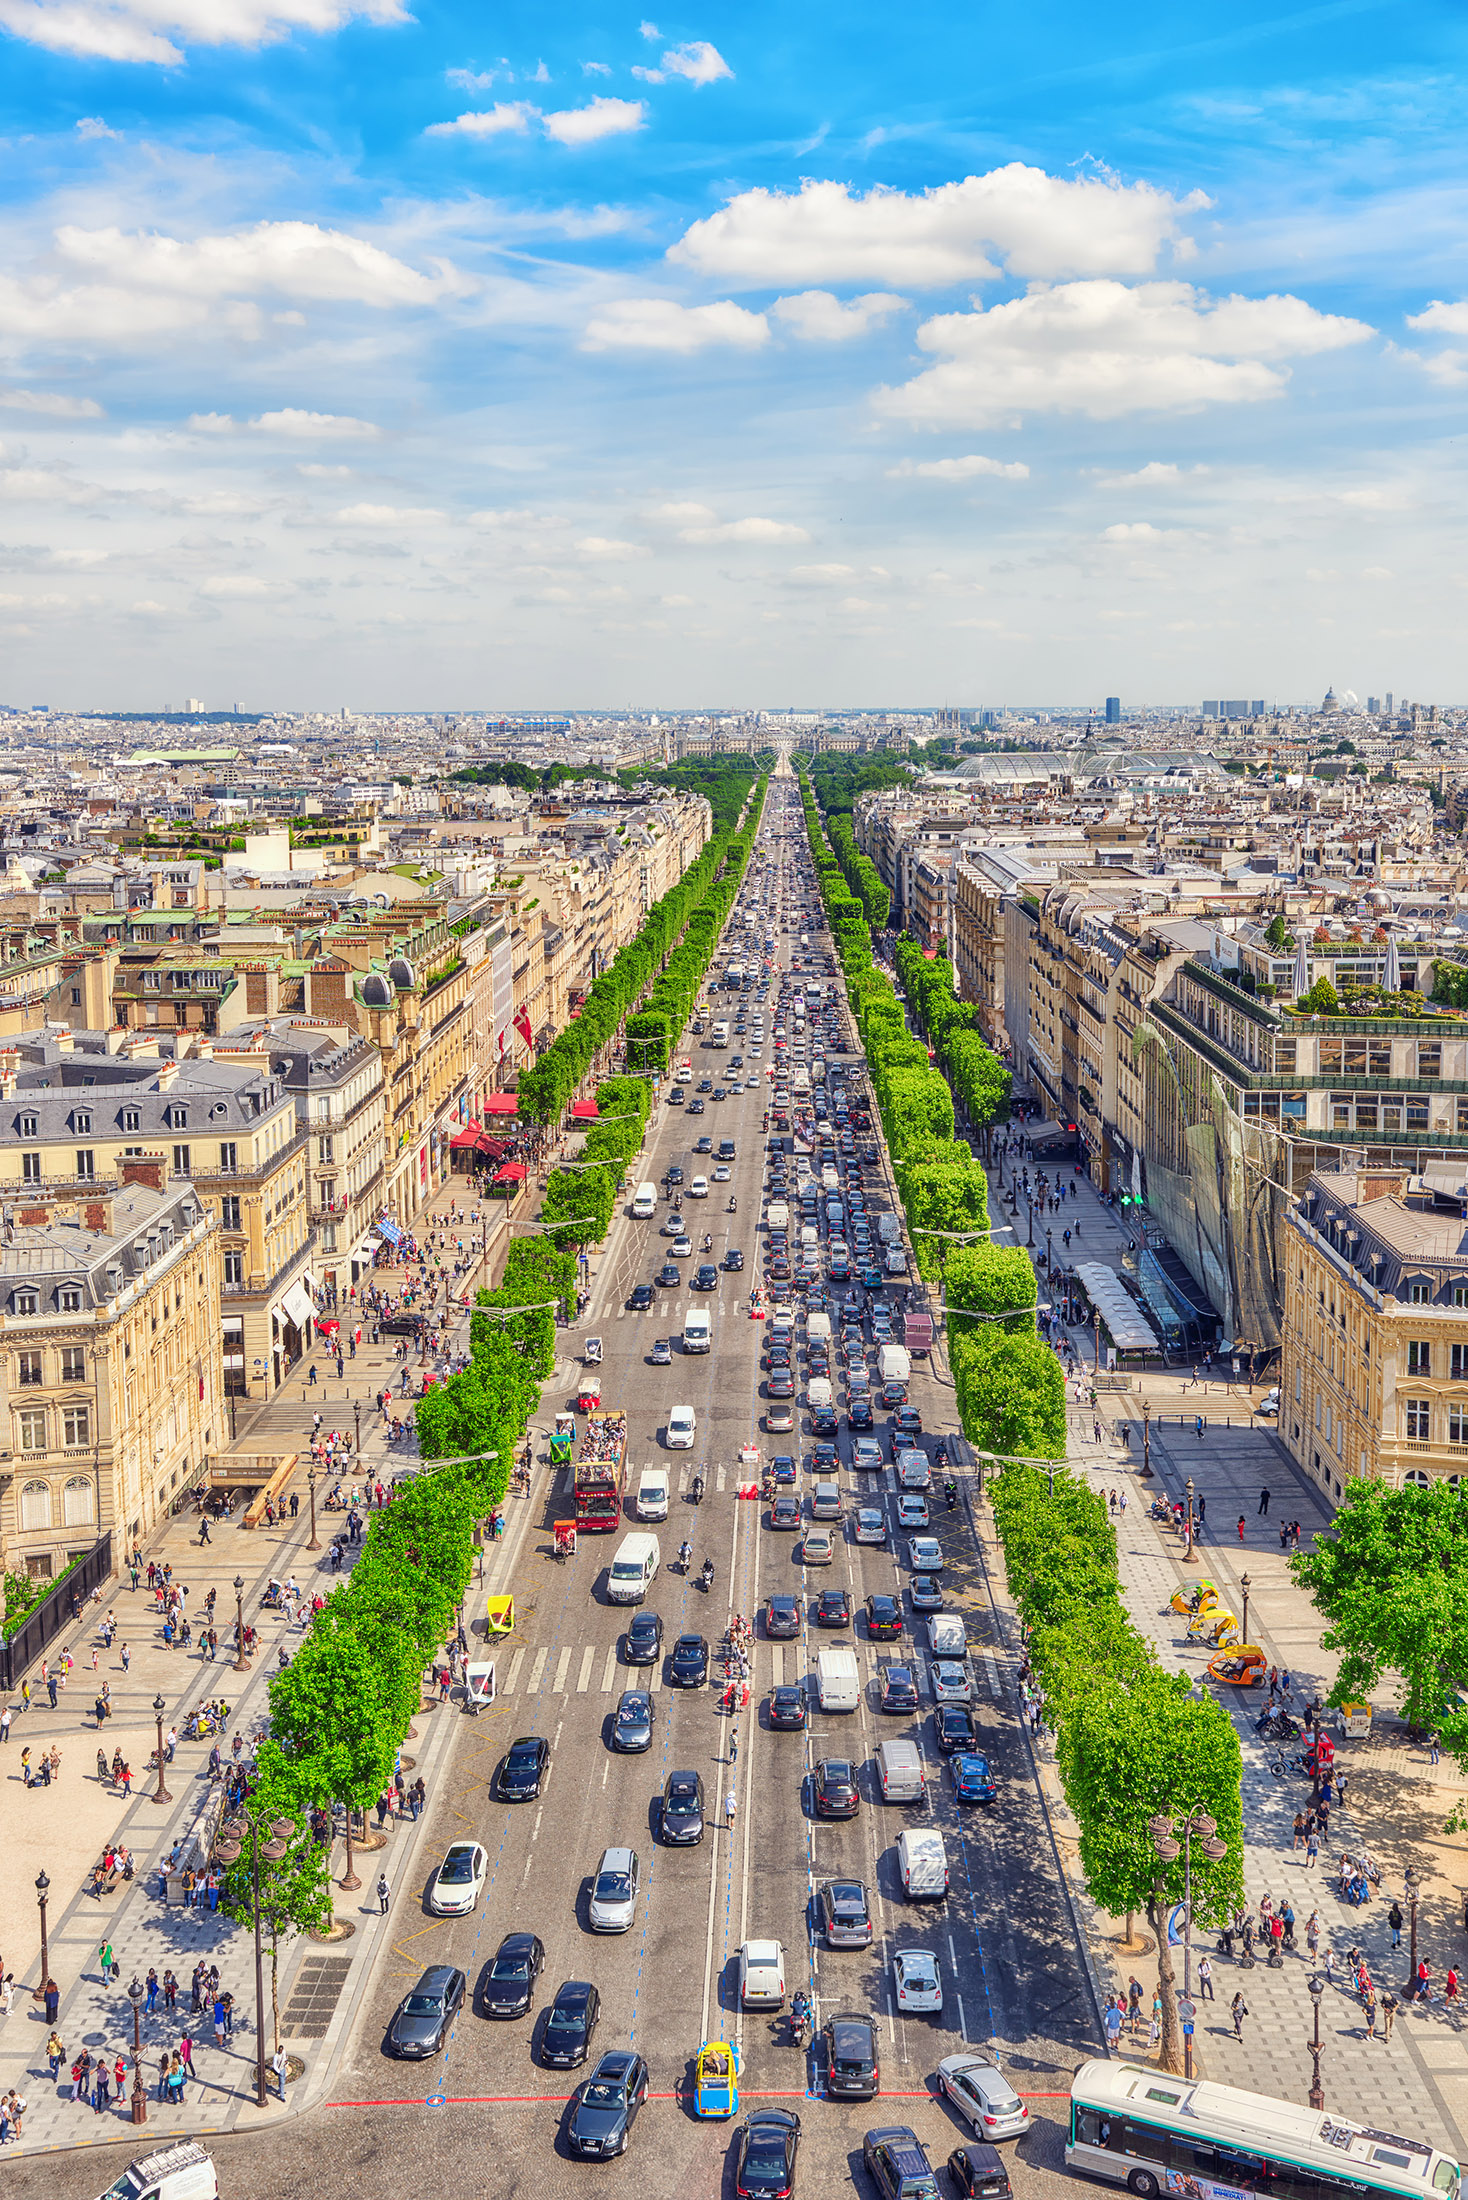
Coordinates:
[900,1771]
[923,1863]
[181,2171]
[698,1329]
[699,1188]
[777,1215]
[838,1680]
[810,1237]
[634,1568]
[818,1329]
[652,1494]
[682,1428]
[645,1203]
[946,1636]
[817,1392]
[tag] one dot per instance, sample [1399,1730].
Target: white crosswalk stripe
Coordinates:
[609,1670]
[537,1670]
[563,1666]
[996,1685]
[777,1664]
[514,1673]
[583,1678]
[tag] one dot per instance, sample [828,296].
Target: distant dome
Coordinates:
[400,970]
[1332,701]
[376,991]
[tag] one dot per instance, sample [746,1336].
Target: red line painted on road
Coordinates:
[559,2100]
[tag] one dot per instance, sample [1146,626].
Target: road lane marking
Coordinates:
[514,1673]
[536,1671]
[777,1664]
[719,1473]
[609,1670]
[655,1674]
[583,1678]
[562,1666]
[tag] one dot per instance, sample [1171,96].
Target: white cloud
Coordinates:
[601,118]
[212,423]
[698,61]
[92,126]
[242,587]
[960,469]
[294,259]
[34,485]
[658,324]
[683,515]
[649,31]
[311,471]
[313,427]
[595,68]
[1038,226]
[819,317]
[1136,530]
[1106,349]
[469,80]
[1158,473]
[1448,318]
[1448,367]
[159,30]
[648,76]
[605,548]
[817,576]
[745,530]
[389,515]
[52,403]
[508,116]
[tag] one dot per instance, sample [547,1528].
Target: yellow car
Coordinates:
[716,2080]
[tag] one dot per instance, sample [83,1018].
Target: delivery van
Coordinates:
[645,1203]
[634,1568]
[777,1214]
[180,2171]
[698,1329]
[652,1494]
[818,1393]
[818,1329]
[894,1363]
[838,1680]
[900,1772]
[923,1862]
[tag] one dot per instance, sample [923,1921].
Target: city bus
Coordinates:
[1134,2125]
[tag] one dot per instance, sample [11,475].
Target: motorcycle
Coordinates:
[799,2020]
[950,1491]
[706,1578]
[733,1207]
[696,1489]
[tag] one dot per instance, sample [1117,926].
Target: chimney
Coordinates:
[167,1075]
[145,1168]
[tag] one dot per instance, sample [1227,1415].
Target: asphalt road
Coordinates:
[1011,1971]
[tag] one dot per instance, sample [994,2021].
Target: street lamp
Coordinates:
[159,1707]
[1031,1238]
[1196,1826]
[1096,1317]
[140,2091]
[1317,2090]
[1189,1558]
[315,1542]
[1146,1440]
[43,1888]
[1244,1585]
[1413,1881]
[227,1850]
[241,1662]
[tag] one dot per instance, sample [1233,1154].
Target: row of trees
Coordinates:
[860,873]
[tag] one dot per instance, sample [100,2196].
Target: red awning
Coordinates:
[510,1172]
[585,1110]
[471,1137]
[501,1103]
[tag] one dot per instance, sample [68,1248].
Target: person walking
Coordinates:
[280,2063]
[1371,2012]
[1263,1502]
[1205,1978]
[1396,1921]
[1242,1524]
[731,1808]
[384,1894]
[1388,2014]
[1434,1748]
[150,2001]
[1238,2010]
[1113,2027]
[1312,1936]
[55,2054]
[1299,1829]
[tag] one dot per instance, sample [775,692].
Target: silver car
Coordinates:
[614,1892]
[980,2091]
[951,1683]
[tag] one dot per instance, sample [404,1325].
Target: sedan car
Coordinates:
[787,1708]
[669,1278]
[705,1144]
[680,1820]
[526,1763]
[818,1546]
[633,1723]
[972,1780]
[662,1352]
[908,1421]
[846,1914]
[683,1247]
[734,1260]
[859,1413]
[982,2093]
[782,1613]
[951,1683]
[509,1984]
[601,2122]
[899,1689]
[695,1107]
[834,1789]
[853,2072]
[884,1618]
[870,1524]
[421,2021]
[780,1420]
[764,2162]
[570,2024]
[912,1510]
[721,1173]
[925,1554]
[868,1455]
[640,1298]
[689,1665]
[780,1383]
[458,1881]
[707,1278]
[644,1638]
[954,1729]
[833,1608]
[782,1466]
[917,1981]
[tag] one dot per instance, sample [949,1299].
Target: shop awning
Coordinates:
[1130,1329]
[467,1140]
[585,1111]
[501,1103]
[510,1172]
[299,1305]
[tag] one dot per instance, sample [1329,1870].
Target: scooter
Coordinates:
[733,1207]
[706,1578]
[799,2020]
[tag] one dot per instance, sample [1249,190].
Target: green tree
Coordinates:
[1321,1000]
[331,1711]
[1010,1393]
[997,1281]
[295,1887]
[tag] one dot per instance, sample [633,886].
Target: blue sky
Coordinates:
[353,351]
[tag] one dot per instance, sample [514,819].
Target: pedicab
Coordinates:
[478,1686]
[716,2080]
[591,1352]
[563,1440]
[1216,1626]
[1194,1596]
[588,1394]
[499,1617]
[1241,1665]
[565,1535]
[1355,1722]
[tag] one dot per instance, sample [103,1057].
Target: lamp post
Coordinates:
[315,1542]
[140,2091]
[1244,1585]
[1317,2090]
[1196,1826]
[1050,1257]
[43,1888]
[1031,1238]
[1189,1557]
[227,1851]
[159,1707]
[241,1662]
[1096,1317]
[1146,1440]
[357,1410]
[1413,1881]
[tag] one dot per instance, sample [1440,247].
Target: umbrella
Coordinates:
[1393,978]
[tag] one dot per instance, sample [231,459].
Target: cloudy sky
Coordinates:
[417,354]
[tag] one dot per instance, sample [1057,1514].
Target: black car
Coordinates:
[570,2024]
[681,1818]
[780,1383]
[524,1768]
[834,1788]
[833,1608]
[954,1729]
[689,1665]
[907,1422]
[733,1260]
[508,1985]
[978,2172]
[782,1613]
[601,2122]
[726,1149]
[823,1461]
[897,2162]
[695,1107]
[853,2072]
[644,1638]
[640,1299]
[823,1420]
[899,1689]
[707,1278]
[673,1174]
[632,1726]
[764,2164]
[669,1277]
[884,1618]
[787,1708]
[859,1413]
[421,2020]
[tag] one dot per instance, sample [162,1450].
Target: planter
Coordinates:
[340,1928]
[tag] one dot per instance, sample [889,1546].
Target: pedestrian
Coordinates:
[151,1985]
[219,2023]
[25,1766]
[1299,1828]
[55,2054]
[1202,1510]
[1113,2027]
[1450,1987]
[280,2063]
[53,2000]
[127,1658]
[1198,1426]
[384,1893]
[204,1529]
[1205,1978]
[186,2054]
[1371,2013]
[734,1746]
[1241,1527]
[104,1957]
[1396,1921]
[5,1724]
[1388,2013]
[1238,2010]
[1312,1936]
[1424,1980]
[170,1990]
[101,2088]
[1434,1747]
[731,1806]
[51,1689]
[1263,1501]
[1134,2002]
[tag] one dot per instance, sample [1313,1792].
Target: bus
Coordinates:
[734,977]
[1131,2124]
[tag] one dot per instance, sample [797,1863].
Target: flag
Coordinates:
[522,1025]
[502,1043]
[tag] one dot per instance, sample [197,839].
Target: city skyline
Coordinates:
[351,354]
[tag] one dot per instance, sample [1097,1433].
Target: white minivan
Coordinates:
[633,1568]
[645,1203]
[652,1494]
[682,1428]
[922,1861]
[699,1188]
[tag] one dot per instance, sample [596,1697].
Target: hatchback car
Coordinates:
[897,2163]
[422,2019]
[925,1554]
[853,2072]
[981,2092]
[668,1277]
[734,1260]
[785,1511]
[787,1709]
[780,1420]
[680,1820]
[954,1729]
[907,1421]
[782,1466]
[884,1618]
[613,1904]
[951,1683]
[707,1278]
[662,1352]
[912,1510]
[972,1780]
[689,1665]
[683,1248]
[868,1457]
[508,1986]
[524,1769]
[640,1298]
[927,1593]
[978,2172]
[913,1471]
[570,2024]
[899,1689]
[871,1524]
[764,2165]
[600,2124]
[644,1638]
[833,1788]
[917,1981]
[859,1413]
[459,1880]
[818,1546]
[825,1501]
[632,1724]
[833,1608]
[782,1613]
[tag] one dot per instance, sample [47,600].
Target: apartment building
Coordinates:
[111,1358]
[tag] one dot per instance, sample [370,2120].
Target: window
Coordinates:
[1458,1424]
[1429,1058]
[86,1165]
[182,1160]
[30,1126]
[26,1302]
[1415,1479]
[76,1502]
[35,1505]
[81,1121]
[76,1425]
[73,1363]
[1417,1112]
[1419,1420]
[1419,1356]
[30,1168]
[1419,1292]
[69,1298]
[28,1367]
[76,996]
[30,1427]
[1458,1361]
[229,1211]
[228,1157]
[326,1149]
[132,1119]
[177,1118]
[234,1267]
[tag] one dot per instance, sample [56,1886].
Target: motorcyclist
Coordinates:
[685,1554]
[950,1491]
[708,1241]
[733,1204]
[696,1489]
[706,1578]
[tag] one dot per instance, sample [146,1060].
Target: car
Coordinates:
[884,1618]
[459,1880]
[673,1227]
[823,1420]
[525,1765]
[695,1107]
[736,1061]
[673,1174]
[508,1986]
[682,1428]
[913,1471]
[980,2092]
[689,1665]
[640,1298]
[680,1819]
[907,1421]
[868,1455]
[644,1638]
[632,1722]
[871,1524]
[721,1173]
[720,1092]
[761,1975]
[669,1278]
[954,1729]
[917,1981]
[978,2172]
[825,1501]
[926,1591]
[705,1144]
[683,1247]
[882,1323]
[833,1788]
[780,1383]
[570,2024]
[972,1780]
[600,2124]
[925,1554]
[912,1510]
[764,2157]
[705,1084]
[897,2163]
[873,1279]
[824,1463]
[782,1466]
[899,1689]
[420,2023]
[833,1608]
[675,1096]
[780,1420]
[1269,1403]
[853,2070]
[613,1903]
[818,1547]
[951,1683]
[845,1913]
[859,1413]
[733,1260]
[662,1352]
[787,1709]
[782,1613]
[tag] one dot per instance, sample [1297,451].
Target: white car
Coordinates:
[682,1428]
[761,1975]
[871,1525]
[981,2092]
[925,1553]
[918,1981]
[913,1471]
[819,1546]
[721,1173]
[1269,1403]
[951,1683]
[613,1902]
[699,1188]
[459,1880]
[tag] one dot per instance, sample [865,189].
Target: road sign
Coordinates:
[1186,2009]
[1187,2031]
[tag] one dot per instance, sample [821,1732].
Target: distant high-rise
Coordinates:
[1388,702]
[1210,710]
[1257,710]
[1113,710]
[1373,705]
[1234,709]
